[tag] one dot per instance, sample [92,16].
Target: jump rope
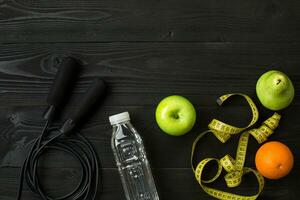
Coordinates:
[65,138]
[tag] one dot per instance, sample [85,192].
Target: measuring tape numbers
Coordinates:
[234,167]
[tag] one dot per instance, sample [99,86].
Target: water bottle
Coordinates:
[131,160]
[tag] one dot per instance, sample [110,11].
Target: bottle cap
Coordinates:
[119,118]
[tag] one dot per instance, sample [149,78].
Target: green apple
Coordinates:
[275,90]
[175,115]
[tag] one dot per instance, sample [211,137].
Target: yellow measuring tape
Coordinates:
[234,167]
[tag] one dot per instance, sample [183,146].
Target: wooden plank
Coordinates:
[171,183]
[104,21]
[164,151]
[132,67]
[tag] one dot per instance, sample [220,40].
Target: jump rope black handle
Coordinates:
[93,95]
[64,80]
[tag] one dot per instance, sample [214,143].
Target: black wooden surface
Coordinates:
[146,50]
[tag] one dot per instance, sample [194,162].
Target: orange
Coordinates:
[274,160]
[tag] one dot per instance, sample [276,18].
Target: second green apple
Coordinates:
[175,115]
[275,90]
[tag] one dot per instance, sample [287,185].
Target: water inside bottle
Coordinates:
[132,163]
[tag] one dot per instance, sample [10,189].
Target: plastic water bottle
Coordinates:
[130,156]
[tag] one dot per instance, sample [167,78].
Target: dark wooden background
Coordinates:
[146,50]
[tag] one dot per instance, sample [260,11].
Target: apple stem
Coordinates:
[278,81]
[175,115]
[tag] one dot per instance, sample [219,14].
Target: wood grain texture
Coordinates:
[139,75]
[136,20]
[145,50]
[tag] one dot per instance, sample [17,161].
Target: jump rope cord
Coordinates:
[79,148]
[65,139]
